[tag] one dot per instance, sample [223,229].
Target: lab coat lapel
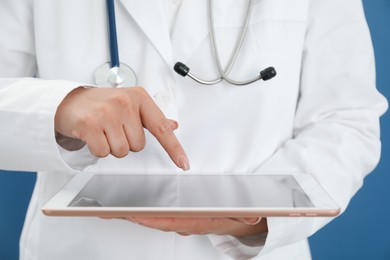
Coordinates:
[190,29]
[192,23]
[149,16]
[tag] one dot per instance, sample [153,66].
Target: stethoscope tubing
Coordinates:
[266,74]
[114,52]
[224,73]
[116,74]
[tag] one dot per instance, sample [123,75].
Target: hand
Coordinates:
[204,226]
[112,121]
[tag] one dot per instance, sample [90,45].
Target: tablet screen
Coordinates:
[205,191]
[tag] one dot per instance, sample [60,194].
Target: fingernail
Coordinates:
[183,162]
[251,221]
[132,220]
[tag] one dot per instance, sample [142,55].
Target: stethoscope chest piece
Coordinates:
[115,77]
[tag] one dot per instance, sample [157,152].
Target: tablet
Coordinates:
[191,195]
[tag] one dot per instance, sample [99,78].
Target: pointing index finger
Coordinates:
[162,128]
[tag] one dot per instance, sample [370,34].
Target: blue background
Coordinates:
[362,232]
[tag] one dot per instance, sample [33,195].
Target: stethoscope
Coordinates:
[114,73]
[117,74]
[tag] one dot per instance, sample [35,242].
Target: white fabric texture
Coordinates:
[318,116]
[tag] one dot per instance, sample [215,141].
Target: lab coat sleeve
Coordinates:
[336,131]
[28,104]
[336,128]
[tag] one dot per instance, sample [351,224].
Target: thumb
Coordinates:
[173,124]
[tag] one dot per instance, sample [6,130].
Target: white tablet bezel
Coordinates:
[324,204]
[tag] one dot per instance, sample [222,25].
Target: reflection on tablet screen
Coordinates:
[206,191]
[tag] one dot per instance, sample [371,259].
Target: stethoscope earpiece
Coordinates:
[181,69]
[268,73]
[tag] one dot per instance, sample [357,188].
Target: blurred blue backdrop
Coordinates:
[361,233]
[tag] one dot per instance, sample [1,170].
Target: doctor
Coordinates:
[319,115]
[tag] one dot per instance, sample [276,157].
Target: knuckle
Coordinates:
[116,105]
[121,100]
[177,147]
[86,122]
[120,154]
[86,128]
[165,128]
[133,111]
[137,147]
[121,151]
[101,153]
[140,91]
[141,94]
[102,111]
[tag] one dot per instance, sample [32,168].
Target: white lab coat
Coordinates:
[319,115]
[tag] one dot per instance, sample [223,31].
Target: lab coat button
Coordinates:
[163,99]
